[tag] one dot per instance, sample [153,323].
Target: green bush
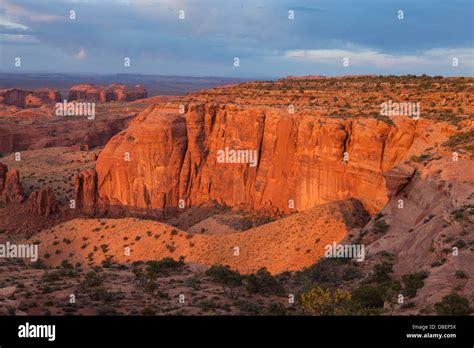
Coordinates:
[453,304]
[207,305]
[263,282]
[381,272]
[54,276]
[163,267]
[327,271]
[248,307]
[91,280]
[380,226]
[412,282]
[351,273]
[368,296]
[224,275]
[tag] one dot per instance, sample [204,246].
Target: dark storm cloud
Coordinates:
[258,32]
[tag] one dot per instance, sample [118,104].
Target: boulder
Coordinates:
[397,178]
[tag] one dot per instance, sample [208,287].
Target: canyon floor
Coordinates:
[169,230]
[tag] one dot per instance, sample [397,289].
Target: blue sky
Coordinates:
[258,32]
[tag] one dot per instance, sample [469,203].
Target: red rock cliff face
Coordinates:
[300,158]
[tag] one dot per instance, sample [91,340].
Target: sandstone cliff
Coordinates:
[173,157]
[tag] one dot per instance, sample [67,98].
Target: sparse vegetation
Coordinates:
[413,282]
[453,304]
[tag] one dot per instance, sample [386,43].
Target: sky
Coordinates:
[428,39]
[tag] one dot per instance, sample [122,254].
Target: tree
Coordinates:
[326,302]
[263,282]
[228,278]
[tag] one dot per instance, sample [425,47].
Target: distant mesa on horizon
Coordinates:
[82,92]
[318,77]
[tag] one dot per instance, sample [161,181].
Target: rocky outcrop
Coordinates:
[424,230]
[26,99]
[174,158]
[42,202]
[397,178]
[113,92]
[11,189]
[3,175]
[85,188]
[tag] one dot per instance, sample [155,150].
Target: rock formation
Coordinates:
[174,157]
[26,99]
[11,189]
[113,92]
[397,178]
[42,202]
[85,188]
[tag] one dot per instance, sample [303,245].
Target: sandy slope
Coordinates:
[290,243]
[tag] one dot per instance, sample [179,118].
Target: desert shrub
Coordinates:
[151,286]
[92,279]
[164,266]
[458,214]
[46,290]
[107,263]
[54,276]
[460,274]
[248,307]
[449,239]
[438,263]
[327,271]
[65,264]
[319,301]
[207,305]
[368,296]
[460,244]
[351,272]
[39,264]
[224,275]
[381,272]
[102,294]
[275,309]
[193,282]
[412,282]
[148,311]
[453,304]
[460,138]
[380,226]
[263,282]
[106,310]
[378,216]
